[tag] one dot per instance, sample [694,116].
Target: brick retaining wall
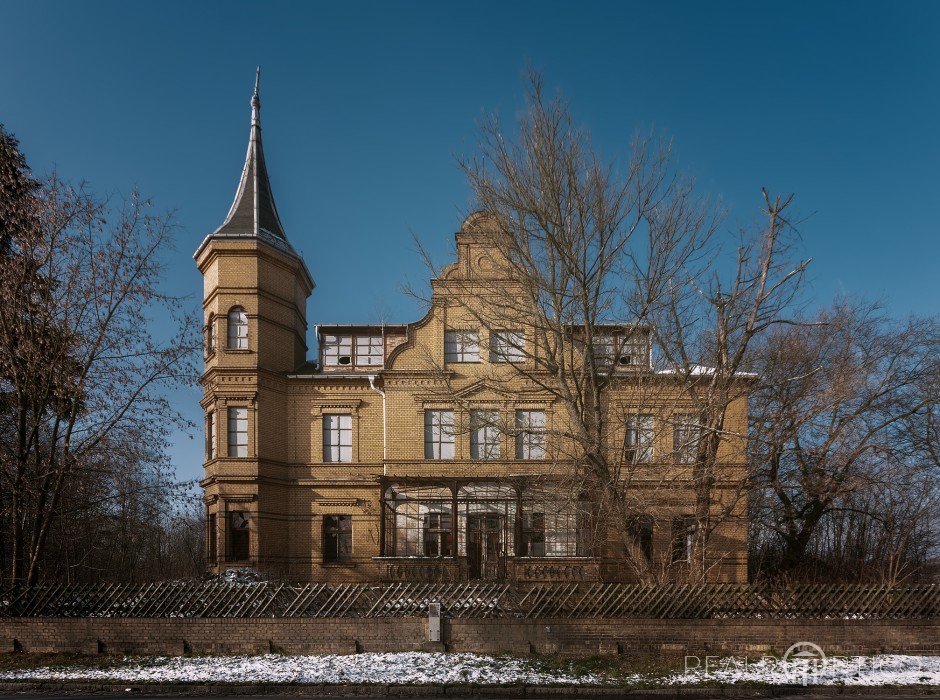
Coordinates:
[566,636]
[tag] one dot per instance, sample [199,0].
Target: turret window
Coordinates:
[238,432]
[237,329]
[210,334]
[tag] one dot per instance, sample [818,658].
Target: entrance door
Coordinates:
[485,556]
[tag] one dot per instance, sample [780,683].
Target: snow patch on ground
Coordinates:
[405,668]
[435,668]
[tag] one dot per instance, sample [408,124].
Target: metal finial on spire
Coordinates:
[256,100]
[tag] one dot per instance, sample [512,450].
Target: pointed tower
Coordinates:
[248,263]
[255,290]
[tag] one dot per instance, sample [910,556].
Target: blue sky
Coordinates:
[366,105]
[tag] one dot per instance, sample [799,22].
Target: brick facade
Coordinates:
[282,506]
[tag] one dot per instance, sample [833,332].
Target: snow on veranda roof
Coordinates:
[703,371]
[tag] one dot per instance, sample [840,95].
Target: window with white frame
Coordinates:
[461,346]
[484,434]
[211,432]
[337,437]
[337,350]
[639,443]
[530,434]
[507,346]
[237,329]
[685,436]
[438,434]
[603,348]
[370,351]
[238,431]
[634,350]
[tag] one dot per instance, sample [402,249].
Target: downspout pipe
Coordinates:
[384,424]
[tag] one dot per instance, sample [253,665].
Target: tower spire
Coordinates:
[256,100]
[253,213]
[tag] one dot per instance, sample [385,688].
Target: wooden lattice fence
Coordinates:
[614,600]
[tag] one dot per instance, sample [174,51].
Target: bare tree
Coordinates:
[841,443]
[83,380]
[592,252]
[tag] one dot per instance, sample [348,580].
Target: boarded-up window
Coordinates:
[337,537]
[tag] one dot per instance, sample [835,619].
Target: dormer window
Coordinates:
[369,351]
[624,350]
[237,329]
[337,350]
[353,351]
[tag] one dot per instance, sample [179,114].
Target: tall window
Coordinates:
[685,437]
[642,532]
[238,536]
[337,350]
[337,437]
[211,432]
[210,334]
[639,447]
[683,533]
[213,537]
[237,329]
[438,434]
[238,432]
[370,351]
[507,346]
[461,346]
[530,434]
[484,435]
[337,537]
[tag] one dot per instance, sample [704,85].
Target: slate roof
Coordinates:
[253,213]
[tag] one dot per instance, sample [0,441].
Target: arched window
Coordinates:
[210,334]
[237,329]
